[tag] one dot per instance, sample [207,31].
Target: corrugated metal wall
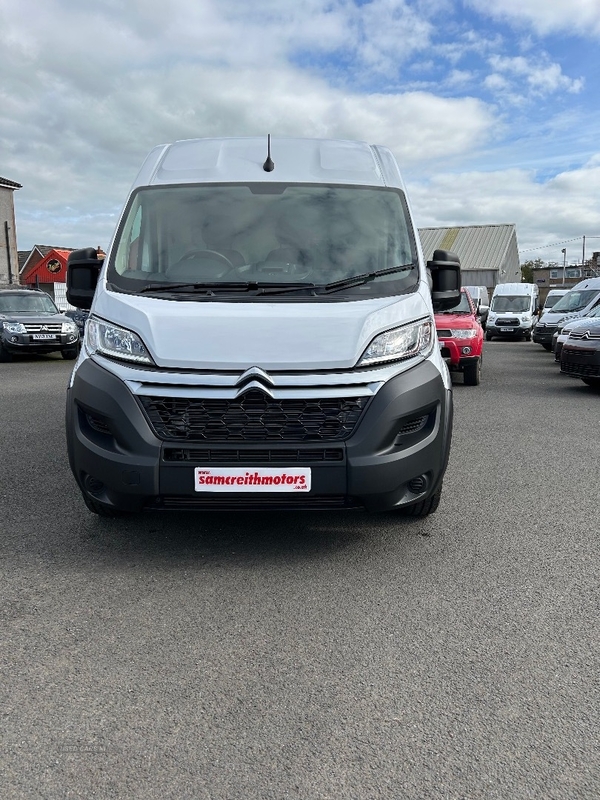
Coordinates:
[488,253]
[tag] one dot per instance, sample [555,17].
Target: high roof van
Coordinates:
[261,335]
[513,311]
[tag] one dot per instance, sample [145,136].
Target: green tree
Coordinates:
[527,268]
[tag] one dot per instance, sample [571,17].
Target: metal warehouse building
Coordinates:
[488,253]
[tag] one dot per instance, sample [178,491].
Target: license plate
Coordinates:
[43,336]
[252,479]
[507,330]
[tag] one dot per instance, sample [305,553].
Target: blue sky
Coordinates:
[491,108]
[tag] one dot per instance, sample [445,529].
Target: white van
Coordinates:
[481,298]
[261,335]
[513,310]
[577,302]
[552,298]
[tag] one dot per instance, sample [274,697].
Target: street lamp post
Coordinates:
[564,252]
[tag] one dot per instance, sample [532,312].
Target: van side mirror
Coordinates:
[446,280]
[83,269]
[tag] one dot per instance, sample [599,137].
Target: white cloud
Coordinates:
[563,207]
[546,16]
[540,76]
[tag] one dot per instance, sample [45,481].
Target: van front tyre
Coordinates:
[424,507]
[488,336]
[100,509]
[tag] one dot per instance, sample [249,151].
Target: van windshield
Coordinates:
[552,300]
[221,240]
[509,302]
[575,300]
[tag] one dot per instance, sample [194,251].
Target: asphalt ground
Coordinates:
[335,655]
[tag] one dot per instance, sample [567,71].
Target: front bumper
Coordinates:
[457,355]
[581,360]
[543,335]
[396,455]
[498,329]
[25,343]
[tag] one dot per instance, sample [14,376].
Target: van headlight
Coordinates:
[115,342]
[400,343]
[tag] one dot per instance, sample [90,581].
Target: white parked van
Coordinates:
[577,302]
[552,298]
[513,310]
[481,298]
[261,335]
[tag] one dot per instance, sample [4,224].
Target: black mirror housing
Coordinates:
[83,269]
[446,279]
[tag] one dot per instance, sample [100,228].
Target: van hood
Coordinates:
[35,318]
[554,317]
[453,321]
[278,336]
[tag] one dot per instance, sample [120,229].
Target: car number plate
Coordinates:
[252,479]
[43,336]
[507,330]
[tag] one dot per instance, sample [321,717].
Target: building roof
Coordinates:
[6,184]
[478,246]
[37,253]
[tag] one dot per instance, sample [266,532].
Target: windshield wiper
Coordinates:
[266,288]
[358,280]
[259,287]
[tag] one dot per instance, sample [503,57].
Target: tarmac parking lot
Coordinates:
[325,655]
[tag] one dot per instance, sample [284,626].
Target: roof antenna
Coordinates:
[269,164]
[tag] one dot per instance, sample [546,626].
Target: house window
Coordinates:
[574,273]
[554,274]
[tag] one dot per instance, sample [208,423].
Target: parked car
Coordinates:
[580,356]
[461,338]
[481,298]
[30,322]
[564,329]
[79,317]
[513,311]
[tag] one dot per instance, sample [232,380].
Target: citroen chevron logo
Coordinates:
[254,385]
[254,378]
[256,374]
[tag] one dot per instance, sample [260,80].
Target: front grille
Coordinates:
[583,335]
[48,327]
[253,417]
[505,323]
[241,502]
[580,370]
[253,457]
